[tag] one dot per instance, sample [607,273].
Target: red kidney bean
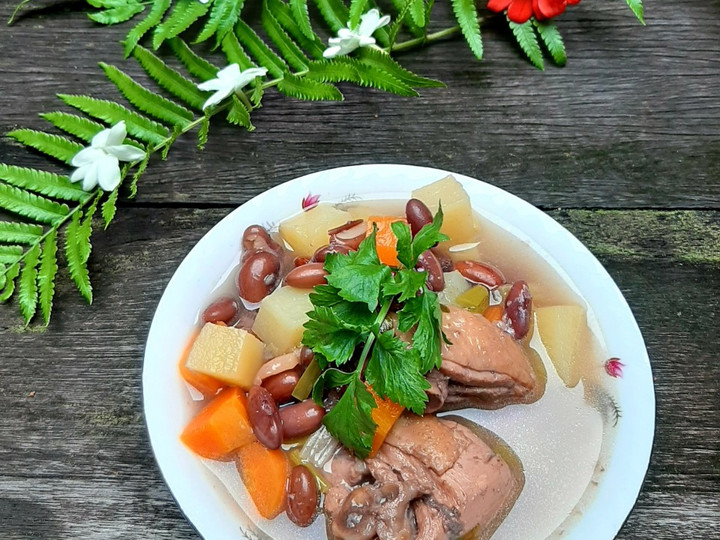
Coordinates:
[256,238]
[221,310]
[282,385]
[350,235]
[299,261]
[435,278]
[319,255]
[264,417]
[446,262]
[302,496]
[518,309]
[306,356]
[258,276]
[307,276]
[418,215]
[300,419]
[480,273]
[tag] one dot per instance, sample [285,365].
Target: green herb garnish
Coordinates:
[351,344]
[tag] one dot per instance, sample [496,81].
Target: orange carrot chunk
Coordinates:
[493,313]
[221,427]
[264,473]
[384,415]
[385,240]
[206,385]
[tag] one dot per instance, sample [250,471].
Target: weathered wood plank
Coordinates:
[77,452]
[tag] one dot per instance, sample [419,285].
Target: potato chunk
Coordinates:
[231,355]
[455,285]
[458,222]
[562,330]
[308,231]
[279,322]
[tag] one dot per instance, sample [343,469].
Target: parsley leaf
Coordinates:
[394,372]
[404,247]
[409,249]
[423,311]
[329,335]
[350,420]
[405,283]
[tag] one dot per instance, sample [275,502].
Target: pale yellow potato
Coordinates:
[308,231]
[562,331]
[231,355]
[458,220]
[455,285]
[279,322]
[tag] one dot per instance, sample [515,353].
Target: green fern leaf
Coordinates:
[154,18]
[308,90]
[287,19]
[45,183]
[10,254]
[222,19]
[118,14]
[404,17]
[3,277]
[239,115]
[10,274]
[382,61]
[47,143]
[284,43]
[357,8]
[183,16]
[169,79]
[83,128]
[28,290]
[21,233]
[259,50]
[235,53]
[109,207]
[108,111]
[203,132]
[257,94]
[526,38]
[345,69]
[76,245]
[46,276]
[138,173]
[467,17]
[147,101]
[196,65]
[553,41]
[334,12]
[86,228]
[417,12]
[302,17]
[31,206]
[637,8]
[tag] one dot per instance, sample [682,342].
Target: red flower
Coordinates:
[310,201]
[613,367]
[519,11]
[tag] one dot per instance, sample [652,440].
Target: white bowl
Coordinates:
[168,407]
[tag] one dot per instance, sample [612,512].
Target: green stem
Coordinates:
[371,338]
[431,38]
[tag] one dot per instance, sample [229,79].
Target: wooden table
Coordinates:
[622,147]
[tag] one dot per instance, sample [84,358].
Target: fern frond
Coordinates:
[345,69]
[302,17]
[46,276]
[382,61]
[235,53]
[169,79]
[109,207]
[145,100]
[334,12]
[139,172]
[404,17]
[117,15]
[196,65]
[203,132]
[357,8]
[284,43]
[526,38]
[10,254]
[467,17]
[307,89]
[56,146]
[43,182]
[28,291]
[288,19]
[417,12]
[31,206]
[553,41]
[637,8]
[77,252]
[222,18]
[259,50]
[239,115]
[108,111]
[79,126]
[10,275]
[21,233]
[154,18]
[182,17]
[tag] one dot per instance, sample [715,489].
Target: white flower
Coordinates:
[99,163]
[229,80]
[350,39]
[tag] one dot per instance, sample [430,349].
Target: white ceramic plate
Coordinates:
[168,407]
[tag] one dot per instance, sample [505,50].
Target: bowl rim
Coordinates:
[629,461]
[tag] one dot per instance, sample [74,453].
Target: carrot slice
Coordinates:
[384,415]
[493,313]
[206,385]
[385,240]
[221,427]
[264,473]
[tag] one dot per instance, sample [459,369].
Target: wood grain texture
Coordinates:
[622,147]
